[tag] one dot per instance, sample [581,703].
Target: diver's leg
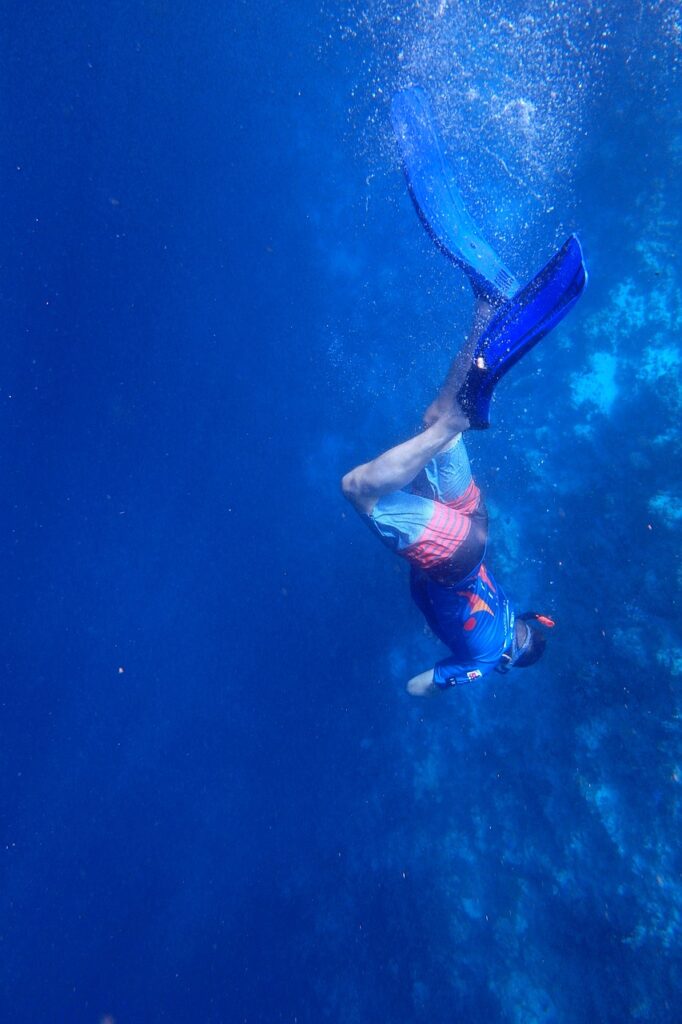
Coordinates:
[448,479]
[460,366]
[434,538]
[397,467]
[439,522]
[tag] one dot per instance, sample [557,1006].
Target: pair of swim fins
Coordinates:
[523,316]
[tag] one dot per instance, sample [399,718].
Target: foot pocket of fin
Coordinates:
[519,325]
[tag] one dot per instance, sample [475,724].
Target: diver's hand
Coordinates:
[423,685]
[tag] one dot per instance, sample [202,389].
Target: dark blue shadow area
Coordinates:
[163,728]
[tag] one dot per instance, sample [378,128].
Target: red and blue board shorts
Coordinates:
[438,523]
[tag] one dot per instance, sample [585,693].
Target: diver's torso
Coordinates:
[473,617]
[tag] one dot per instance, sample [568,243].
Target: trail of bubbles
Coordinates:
[514,86]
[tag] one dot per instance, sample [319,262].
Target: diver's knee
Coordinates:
[351,486]
[357,490]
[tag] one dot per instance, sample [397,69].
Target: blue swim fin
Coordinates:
[519,325]
[431,184]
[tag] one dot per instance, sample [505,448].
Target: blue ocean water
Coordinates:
[219,804]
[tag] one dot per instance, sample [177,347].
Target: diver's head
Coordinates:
[529,641]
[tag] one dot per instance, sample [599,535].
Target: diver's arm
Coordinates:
[423,685]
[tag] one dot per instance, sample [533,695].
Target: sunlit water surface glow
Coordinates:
[515,87]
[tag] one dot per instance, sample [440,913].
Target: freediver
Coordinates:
[420,498]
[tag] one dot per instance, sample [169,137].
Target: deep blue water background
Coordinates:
[219,805]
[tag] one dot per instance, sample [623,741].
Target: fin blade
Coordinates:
[437,200]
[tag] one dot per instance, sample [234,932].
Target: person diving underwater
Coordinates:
[420,498]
